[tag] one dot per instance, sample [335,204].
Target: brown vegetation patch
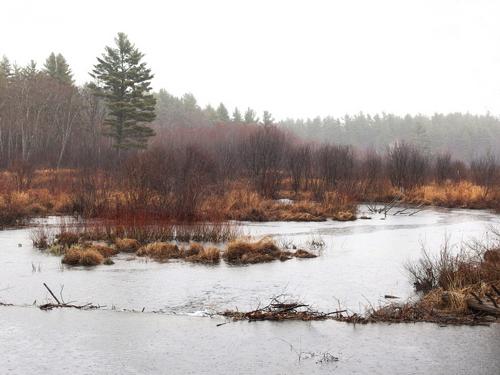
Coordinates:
[248,206]
[242,251]
[127,245]
[105,251]
[206,255]
[160,251]
[67,238]
[77,256]
[194,249]
[459,287]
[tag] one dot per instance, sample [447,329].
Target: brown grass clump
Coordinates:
[194,249]
[160,251]
[460,195]
[127,245]
[242,251]
[241,204]
[459,287]
[265,250]
[209,255]
[344,216]
[67,239]
[77,256]
[105,251]
[470,265]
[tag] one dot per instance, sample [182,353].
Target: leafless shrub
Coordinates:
[484,172]
[406,166]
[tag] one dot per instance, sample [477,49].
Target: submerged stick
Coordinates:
[50,291]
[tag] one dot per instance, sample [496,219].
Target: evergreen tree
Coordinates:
[222,113]
[250,117]
[420,138]
[190,102]
[30,70]
[57,68]
[125,84]
[50,66]
[267,118]
[237,116]
[211,113]
[5,68]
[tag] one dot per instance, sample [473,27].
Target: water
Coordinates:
[360,263]
[107,342]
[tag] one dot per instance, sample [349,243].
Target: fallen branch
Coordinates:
[52,294]
[50,306]
[483,307]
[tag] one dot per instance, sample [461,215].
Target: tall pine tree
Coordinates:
[267,118]
[250,116]
[5,68]
[222,113]
[124,82]
[237,115]
[57,68]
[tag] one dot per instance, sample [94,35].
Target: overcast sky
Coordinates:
[294,58]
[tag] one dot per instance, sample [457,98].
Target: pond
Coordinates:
[361,262]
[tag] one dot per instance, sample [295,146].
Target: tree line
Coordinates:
[465,136]
[48,121]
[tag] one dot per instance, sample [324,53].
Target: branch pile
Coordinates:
[279,309]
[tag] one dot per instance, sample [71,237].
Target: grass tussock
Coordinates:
[77,256]
[459,286]
[265,250]
[67,238]
[209,255]
[242,251]
[160,251]
[471,264]
[71,240]
[105,251]
[127,245]
[193,249]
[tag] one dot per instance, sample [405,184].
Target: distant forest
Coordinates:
[46,119]
[465,136]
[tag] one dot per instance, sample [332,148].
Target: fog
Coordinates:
[294,58]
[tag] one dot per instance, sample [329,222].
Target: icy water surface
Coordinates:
[107,342]
[360,263]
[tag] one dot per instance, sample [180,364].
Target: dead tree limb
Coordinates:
[52,294]
[482,307]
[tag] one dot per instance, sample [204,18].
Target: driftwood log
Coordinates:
[482,307]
